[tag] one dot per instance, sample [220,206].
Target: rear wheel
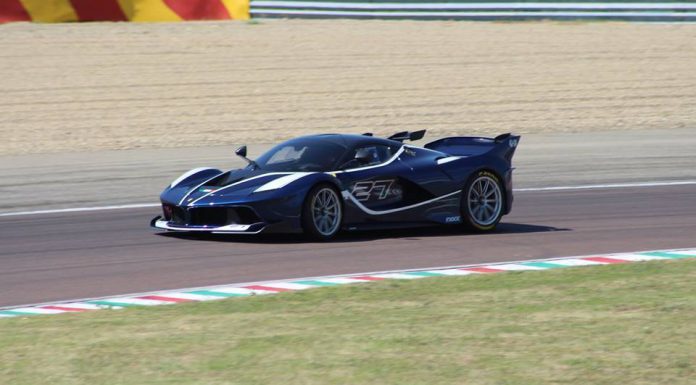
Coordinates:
[482,202]
[322,213]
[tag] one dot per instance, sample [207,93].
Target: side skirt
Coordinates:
[390,226]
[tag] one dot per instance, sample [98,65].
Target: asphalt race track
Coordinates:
[78,255]
[63,256]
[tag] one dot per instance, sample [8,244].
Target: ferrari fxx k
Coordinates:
[321,184]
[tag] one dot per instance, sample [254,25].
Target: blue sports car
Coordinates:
[321,184]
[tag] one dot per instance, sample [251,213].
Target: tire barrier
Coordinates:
[54,11]
[653,10]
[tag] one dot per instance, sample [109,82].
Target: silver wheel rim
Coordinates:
[326,211]
[484,200]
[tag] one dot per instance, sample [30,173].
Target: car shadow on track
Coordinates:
[364,236]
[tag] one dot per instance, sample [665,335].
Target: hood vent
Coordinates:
[225,179]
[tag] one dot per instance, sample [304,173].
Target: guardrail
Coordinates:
[178,10]
[478,10]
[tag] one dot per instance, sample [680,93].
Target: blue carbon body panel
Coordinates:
[416,186]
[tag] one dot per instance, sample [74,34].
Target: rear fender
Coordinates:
[502,146]
[480,154]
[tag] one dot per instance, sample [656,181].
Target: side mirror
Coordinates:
[242,153]
[364,156]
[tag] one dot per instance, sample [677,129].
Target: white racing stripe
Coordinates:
[232,185]
[448,159]
[388,162]
[527,189]
[229,229]
[362,207]
[188,174]
[282,181]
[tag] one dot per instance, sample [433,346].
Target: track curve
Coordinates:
[76,255]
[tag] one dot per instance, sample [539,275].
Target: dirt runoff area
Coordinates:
[82,87]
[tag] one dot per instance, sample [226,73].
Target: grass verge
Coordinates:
[632,324]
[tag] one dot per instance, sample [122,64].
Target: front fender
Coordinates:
[196,175]
[296,184]
[183,184]
[284,201]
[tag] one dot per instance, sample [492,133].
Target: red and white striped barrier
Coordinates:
[53,11]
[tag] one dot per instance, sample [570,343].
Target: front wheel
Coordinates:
[482,202]
[322,213]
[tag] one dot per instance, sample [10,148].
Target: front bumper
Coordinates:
[162,224]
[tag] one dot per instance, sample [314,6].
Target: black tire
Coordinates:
[478,212]
[322,223]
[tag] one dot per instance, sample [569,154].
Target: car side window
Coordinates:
[371,155]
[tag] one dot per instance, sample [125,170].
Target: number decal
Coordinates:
[378,189]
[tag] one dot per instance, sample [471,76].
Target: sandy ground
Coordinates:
[81,87]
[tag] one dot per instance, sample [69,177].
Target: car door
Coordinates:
[374,183]
[402,185]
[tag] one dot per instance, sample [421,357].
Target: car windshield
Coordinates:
[302,154]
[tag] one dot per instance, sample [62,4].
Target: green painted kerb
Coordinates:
[15,312]
[544,265]
[424,274]
[674,255]
[113,303]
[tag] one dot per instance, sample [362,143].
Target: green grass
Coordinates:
[622,324]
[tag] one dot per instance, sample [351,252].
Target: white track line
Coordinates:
[529,189]
[608,186]
[81,209]
[472,6]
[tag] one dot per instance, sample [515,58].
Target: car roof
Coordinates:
[350,140]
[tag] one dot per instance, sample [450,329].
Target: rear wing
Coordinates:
[406,135]
[502,145]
